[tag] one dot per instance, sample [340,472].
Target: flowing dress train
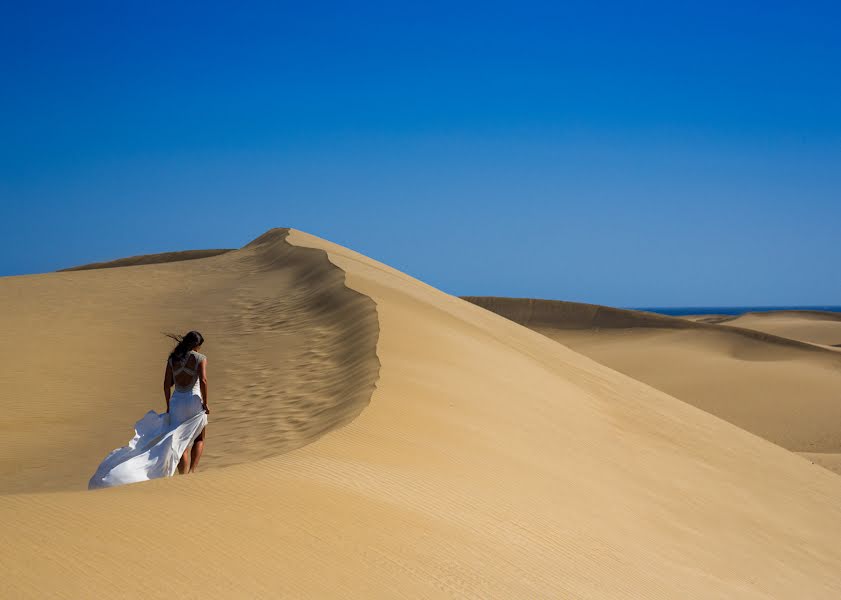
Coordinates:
[159,439]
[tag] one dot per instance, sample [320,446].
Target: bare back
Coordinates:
[185,373]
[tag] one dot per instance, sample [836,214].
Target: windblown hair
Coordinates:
[185,343]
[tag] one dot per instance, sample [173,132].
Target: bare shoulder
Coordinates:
[202,368]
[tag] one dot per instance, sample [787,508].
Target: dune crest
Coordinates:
[292,355]
[816,327]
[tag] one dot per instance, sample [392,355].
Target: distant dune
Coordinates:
[816,327]
[784,390]
[562,315]
[149,259]
[382,439]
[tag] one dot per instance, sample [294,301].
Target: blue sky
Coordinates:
[632,154]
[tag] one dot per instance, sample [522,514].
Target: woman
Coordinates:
[162,441]
[186,370]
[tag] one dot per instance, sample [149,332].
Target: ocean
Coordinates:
[729,310]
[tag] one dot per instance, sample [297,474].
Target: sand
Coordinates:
[149,259]
[486,461]
[828,460]
[786,391]
[293,350]
[816,327]
[822,328]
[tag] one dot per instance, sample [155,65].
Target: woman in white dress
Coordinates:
[162,441]
[186,370]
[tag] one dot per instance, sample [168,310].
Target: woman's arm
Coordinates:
[168,384]
[203,383]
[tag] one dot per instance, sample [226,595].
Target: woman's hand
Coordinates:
[206,410]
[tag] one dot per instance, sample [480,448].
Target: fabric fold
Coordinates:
[153,452]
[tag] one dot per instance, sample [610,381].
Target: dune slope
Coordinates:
[783,390]
[491,462]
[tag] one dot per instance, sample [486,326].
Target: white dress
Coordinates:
[160,439]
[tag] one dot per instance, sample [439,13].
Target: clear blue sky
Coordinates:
[625,153]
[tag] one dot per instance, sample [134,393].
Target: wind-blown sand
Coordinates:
[490,461]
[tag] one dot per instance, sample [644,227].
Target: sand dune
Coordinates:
[490,462]
[816,327]
[292,349]
[561,315]
[780,389]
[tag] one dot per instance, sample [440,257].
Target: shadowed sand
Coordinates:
[149,259]
[491,462]
[831,461]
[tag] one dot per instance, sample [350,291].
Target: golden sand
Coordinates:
[489,462]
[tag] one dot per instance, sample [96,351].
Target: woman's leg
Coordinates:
[198,448]
[182,464]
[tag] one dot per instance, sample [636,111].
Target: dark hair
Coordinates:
[185,343]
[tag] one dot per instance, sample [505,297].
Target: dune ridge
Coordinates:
[290,346]
[771,314]
[561,314]
[149,259]
[490,462]
[811,326]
